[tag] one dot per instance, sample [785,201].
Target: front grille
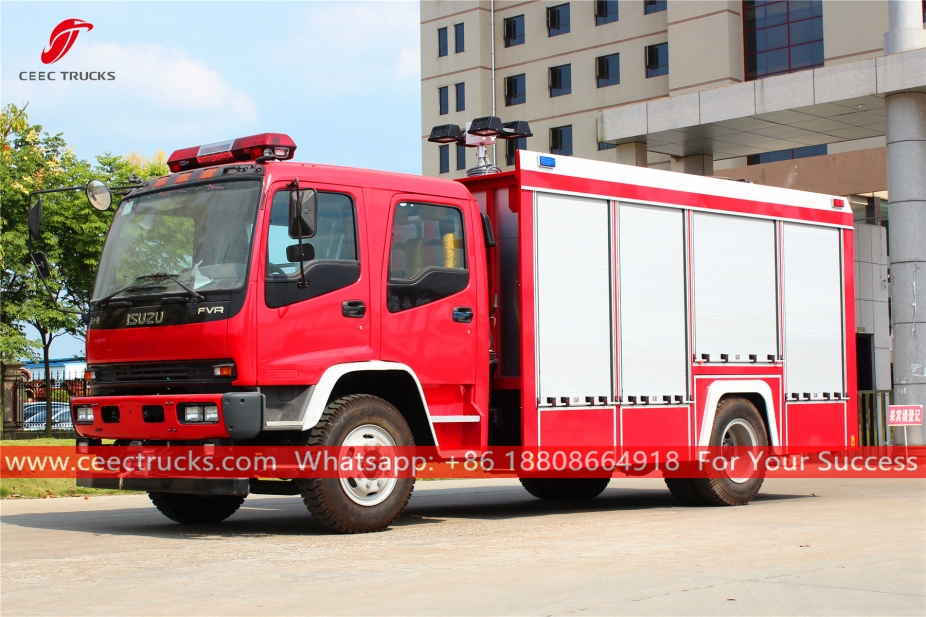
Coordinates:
[162,373]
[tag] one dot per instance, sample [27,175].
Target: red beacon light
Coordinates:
[276,145]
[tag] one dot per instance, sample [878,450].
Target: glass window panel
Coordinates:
[443,98]
[771,15]
[444,158]
[441,42]
[771,38]
[804,9]
[515,90]
[423,237]
[776,61]
[458,38]
[335,238]
[806,31]
[461,157]
[514,31]
[461,97]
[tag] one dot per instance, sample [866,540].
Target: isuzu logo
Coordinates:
[210,310]
[144,319]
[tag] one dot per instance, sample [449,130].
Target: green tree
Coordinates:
[72,233]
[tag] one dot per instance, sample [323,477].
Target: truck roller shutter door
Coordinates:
[653,350]
[735,299]
[813,310]
[573,287]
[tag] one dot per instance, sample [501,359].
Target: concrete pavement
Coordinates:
[828,547]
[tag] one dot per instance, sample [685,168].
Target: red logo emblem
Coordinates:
[62,38]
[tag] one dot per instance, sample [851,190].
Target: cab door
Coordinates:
[429,318]
[301,331]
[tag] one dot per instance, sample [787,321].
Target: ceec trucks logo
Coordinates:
[62,39]
[60,42]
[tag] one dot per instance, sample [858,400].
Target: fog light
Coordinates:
[210,413]
[85,415]
[193,413]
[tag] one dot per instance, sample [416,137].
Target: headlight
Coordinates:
[210,413]
[193,413]
[85,415]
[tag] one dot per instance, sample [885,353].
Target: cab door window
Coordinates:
[427,259]
[336,263]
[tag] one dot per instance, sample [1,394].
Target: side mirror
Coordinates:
[35,218]
[303,213]
[292,253]
[41,264]
[99,195]
[487,232]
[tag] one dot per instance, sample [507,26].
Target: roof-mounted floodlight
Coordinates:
[487,126]
[516,129]
[446,134]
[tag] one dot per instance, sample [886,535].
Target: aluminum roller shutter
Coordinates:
[735,299]
[813,310]
[573,288]
[652,341]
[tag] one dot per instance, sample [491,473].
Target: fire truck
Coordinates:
[249,299]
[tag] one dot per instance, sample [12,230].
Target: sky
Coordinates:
[341,78]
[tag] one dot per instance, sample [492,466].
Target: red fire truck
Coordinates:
[249,299]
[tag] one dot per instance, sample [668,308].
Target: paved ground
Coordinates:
[474,547]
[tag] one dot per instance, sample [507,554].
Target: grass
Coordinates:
[44,488]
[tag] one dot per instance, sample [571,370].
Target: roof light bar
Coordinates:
[277,145]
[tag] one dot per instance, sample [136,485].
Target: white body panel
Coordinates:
[735,282]
[574,307]
[812,310]
[652,341]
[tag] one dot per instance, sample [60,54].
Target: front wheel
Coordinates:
[196,509]
[358,504]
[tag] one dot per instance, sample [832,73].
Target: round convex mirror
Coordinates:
[98,195]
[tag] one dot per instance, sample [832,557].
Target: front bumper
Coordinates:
[240,417]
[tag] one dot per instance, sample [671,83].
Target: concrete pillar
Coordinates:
[906,184]
[633,153]
[11,376]
[698,164]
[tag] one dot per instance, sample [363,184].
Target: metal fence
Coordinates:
[872,417]
[30,401]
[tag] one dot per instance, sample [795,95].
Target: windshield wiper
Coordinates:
[160,276]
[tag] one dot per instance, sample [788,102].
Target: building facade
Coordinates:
[786,93]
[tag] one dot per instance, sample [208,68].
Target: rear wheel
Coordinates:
[684,490]
[737,423]
[196,509]
[565,489]
[358,504]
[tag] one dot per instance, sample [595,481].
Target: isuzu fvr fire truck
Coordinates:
[249,299]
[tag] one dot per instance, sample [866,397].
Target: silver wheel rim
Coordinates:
[739,432]
[367,491]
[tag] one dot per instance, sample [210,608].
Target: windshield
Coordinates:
[200,234]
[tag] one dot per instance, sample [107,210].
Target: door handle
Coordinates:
[353,308]
[462,314]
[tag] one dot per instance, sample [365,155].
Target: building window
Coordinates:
[657,60]
[461,156]
[603,145]
[441,42]
[444,158]
[515,90]
[512,146]
[461,96]
[561,140]
[782,37]
[514,31]
[443,96]
[785,155]
[561,80]
[458,39]
[558,19]
[654,6]
[608,70]
[605,12]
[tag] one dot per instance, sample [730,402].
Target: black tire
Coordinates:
[577,489]
[723,491]
[538,488]
[196,509]
[684,490]
[326,498]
